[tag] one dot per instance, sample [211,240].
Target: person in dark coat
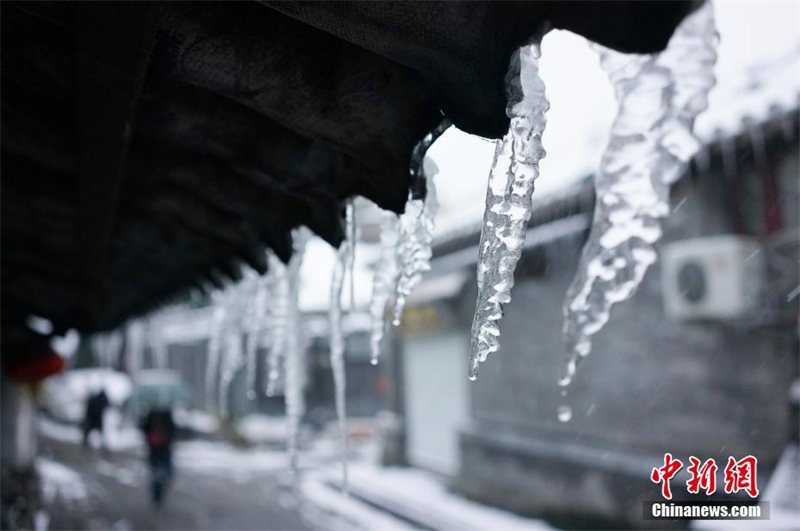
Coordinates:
[159,430]
[96,405]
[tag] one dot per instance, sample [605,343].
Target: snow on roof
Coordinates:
[758,69]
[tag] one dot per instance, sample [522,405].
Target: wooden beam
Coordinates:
[114,43]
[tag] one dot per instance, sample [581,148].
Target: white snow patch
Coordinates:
[59,432]
[196,420]
[58,479]
[205,456]
[420,497]
[67,344]
[65,394]
[362,515]
[262,428]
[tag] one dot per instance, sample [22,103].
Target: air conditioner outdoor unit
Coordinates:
[717,277]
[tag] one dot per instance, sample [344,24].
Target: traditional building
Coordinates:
[699,362]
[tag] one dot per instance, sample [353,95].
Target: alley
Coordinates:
[212,489]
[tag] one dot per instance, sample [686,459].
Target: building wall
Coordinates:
[651,384]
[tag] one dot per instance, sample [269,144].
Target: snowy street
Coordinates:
[482,266]
[220,486]
[216,486]
[111,491]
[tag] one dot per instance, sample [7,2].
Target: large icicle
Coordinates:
[343,263]
[414,246]
[384,281]
[508,201]
[295,354]
[651,141]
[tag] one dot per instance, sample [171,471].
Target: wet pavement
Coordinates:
[215,487]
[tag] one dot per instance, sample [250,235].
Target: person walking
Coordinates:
[96,405]
[159,430]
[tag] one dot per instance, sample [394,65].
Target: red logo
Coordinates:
[702,476]
[739,475]
[665,473]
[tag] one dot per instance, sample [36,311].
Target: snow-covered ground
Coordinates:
[196,420]
[414,495]
[118,435]
[381,498]
[60,480]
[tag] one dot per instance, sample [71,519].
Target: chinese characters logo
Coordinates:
[739,475]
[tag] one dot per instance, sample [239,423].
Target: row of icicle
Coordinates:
[659,96]
[261,313]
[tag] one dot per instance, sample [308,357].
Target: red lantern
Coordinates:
[34,370]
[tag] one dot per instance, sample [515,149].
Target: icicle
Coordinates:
[158,344]
[384,281]
[352,237]
[257,313]
[231,362]
[417,170]
[414,246]
[237,321]
[295,354]
[650,144]
[508,201]
[133,355]
[343,263]
[133,346]
[405,245]
[277,321]
[212,361]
